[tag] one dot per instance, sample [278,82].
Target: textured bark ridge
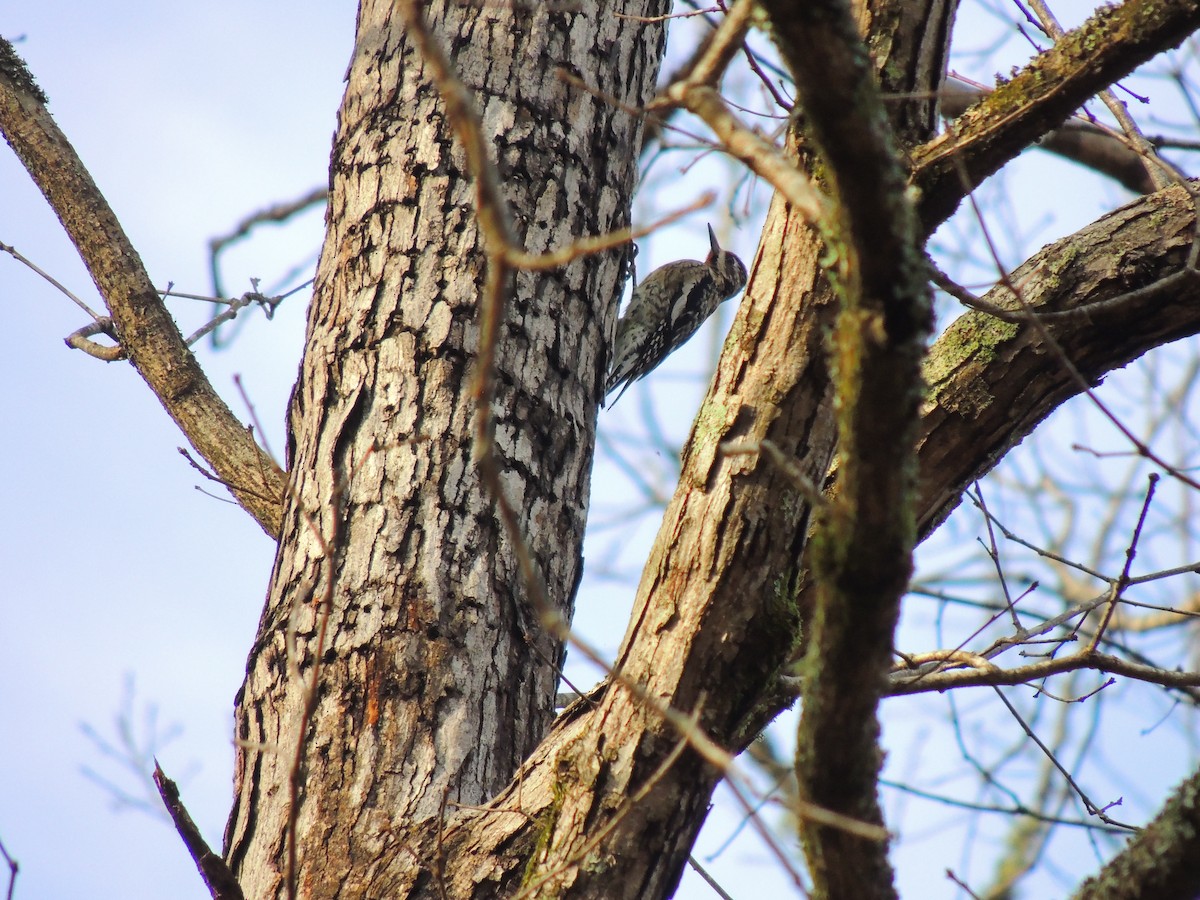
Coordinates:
[427,691]
[428,697]
[713,621]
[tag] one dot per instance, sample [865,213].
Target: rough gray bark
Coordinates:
[713,609]
[714,622]
[427,690]
[427,694]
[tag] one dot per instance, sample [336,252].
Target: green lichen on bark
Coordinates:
[543,829]
[1160,863]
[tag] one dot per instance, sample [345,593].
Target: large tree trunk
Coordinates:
[427,693]
[713,624]
[398,774]
[399,679]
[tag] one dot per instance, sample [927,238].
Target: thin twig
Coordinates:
[1091,807]
[13,869]
[905,683]
[1017,809]
[993,553]
[650,20]
[55,283]
[698,94]
[708,879]
[1130,552]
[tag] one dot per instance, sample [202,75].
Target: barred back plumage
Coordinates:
[667,308]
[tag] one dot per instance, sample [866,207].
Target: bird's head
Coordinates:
[729,270]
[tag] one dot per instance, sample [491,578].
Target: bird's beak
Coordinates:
[712,240]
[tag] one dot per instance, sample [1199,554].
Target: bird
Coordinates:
[667,308]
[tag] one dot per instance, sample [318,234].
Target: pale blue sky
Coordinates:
[190,117]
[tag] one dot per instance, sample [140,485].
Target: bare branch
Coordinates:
[1076,139]
[13,869]
[1111,44]
[216,874]
[1158,305]
[862,546]
[147,334]
[697,93]
[994,676]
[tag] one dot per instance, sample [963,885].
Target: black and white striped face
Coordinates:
[729,272]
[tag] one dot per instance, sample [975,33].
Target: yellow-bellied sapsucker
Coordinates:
[667,308]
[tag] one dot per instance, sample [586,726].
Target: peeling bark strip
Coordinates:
[426,688]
